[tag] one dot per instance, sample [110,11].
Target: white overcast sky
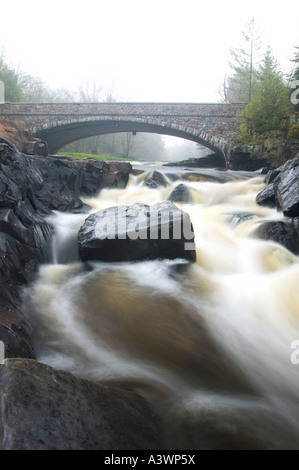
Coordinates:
[146,50]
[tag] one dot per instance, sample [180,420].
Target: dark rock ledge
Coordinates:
[43,408]
[282,192]
[30,188]
[46,409]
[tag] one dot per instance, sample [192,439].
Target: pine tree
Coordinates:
[270,104]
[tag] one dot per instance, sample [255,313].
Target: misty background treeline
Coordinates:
[21,87]
[255,78]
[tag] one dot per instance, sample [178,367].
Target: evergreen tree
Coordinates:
[10,78]
[270,104]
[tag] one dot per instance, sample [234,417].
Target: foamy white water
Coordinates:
[213,337]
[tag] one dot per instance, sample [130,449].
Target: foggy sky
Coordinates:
[156,50]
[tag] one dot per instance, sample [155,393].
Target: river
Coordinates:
[208,343]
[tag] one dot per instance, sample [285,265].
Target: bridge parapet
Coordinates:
[210,124]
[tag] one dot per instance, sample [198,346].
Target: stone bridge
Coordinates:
[210,124]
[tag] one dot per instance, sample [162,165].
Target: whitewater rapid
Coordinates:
[211,342]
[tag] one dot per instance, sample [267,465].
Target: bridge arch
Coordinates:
[210,124]
[60,135]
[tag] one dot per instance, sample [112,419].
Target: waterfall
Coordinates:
[211,341]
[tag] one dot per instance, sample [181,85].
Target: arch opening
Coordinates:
[61,135]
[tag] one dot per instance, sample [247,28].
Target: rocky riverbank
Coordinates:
[31,187]
[272,152]
[282,193]
[37,410]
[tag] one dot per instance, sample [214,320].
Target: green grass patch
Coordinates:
[294,132]
[85,156]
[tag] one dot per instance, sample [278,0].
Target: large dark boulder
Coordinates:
[282,190]
[46,409]
[137,232]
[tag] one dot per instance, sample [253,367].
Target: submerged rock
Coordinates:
[46,409]
[155,179]
[236,218]
[181,194]
[137,232]
[282,232]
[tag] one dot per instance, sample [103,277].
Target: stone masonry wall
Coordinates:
[211,122]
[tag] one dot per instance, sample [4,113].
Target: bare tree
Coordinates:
[90,93]
[128,141]
[239,86]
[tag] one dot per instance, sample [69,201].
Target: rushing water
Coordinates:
[208,343]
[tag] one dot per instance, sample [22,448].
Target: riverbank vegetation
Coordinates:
[271,96]
[85,156]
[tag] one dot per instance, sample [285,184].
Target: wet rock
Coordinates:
[287,192]
[155,179]
[181,194]
[15,331]
[98,174]
[137,232]
[66,180]
[24,244]
[282,232]
[30,188]
[38,412]
[282,189]
[267,197]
